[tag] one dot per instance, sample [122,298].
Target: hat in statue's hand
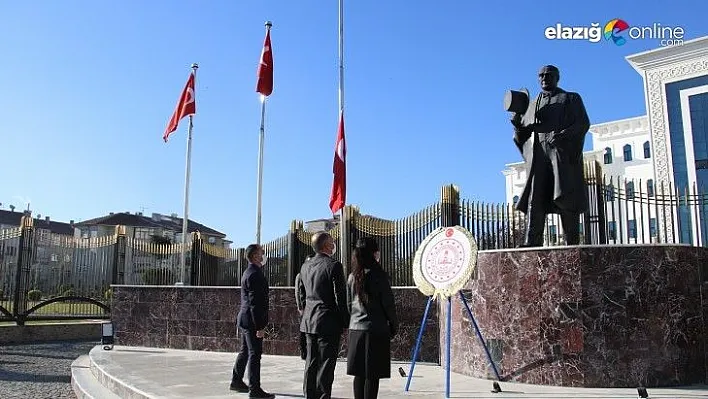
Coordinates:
[516,101]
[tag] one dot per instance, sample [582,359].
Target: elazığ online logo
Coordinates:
[615,31]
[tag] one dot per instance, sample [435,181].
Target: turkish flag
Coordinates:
[185,106]
[339,186]
[265,68]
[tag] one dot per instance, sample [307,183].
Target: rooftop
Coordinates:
[168,222]
[13,218]
[663,56]
[621,127]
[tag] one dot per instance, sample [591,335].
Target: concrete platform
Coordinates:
[139,373]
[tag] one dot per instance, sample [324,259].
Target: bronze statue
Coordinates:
[555,184]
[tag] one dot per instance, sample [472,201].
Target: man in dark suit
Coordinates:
[321,286]
[252,320]
[558,121]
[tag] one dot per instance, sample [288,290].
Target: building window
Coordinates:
[552,233]
[627,149]
[650,187]
[142,233]
[647,150]
[629,187]
[612,230]
[608,155]
[652,227]
[632,228]
[516,199]
[610,193]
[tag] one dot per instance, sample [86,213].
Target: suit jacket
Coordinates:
[378,315]
[299,294]
[322,288]
[253,314]
[564,117]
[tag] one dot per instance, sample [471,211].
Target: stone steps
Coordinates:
[85,384]
[90,380]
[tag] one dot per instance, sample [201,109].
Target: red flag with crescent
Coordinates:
[265,68]
[185,106]
[338,198]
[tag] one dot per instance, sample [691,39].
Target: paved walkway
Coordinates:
[174,374]
[39,371]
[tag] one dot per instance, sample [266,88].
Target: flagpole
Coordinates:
[343,228]
[187,172]
[261,140]
[261,143]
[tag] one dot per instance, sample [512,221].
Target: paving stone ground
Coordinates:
[39,371]
[181,374]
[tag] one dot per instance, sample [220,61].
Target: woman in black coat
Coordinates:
[373,320]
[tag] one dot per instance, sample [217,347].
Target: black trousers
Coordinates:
[303,346]
[366,388]
[322,351]
[541,199]
[251,352]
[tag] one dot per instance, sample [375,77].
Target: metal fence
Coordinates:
[50,276]
[45,275]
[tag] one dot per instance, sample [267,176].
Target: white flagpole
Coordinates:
[343,228]
[187,172]
[261,143]
[259,200]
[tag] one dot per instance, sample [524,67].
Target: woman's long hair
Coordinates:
[362,259]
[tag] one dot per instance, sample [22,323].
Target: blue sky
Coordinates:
[89,87]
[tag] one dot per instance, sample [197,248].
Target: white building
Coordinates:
[676,95]
[643,157]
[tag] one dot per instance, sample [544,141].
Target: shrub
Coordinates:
[34,295]
[69,292]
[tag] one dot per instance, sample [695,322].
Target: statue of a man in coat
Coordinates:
[558,122]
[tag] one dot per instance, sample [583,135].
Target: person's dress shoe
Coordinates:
[239,386]
[260,394]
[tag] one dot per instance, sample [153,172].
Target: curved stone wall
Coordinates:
[586,316]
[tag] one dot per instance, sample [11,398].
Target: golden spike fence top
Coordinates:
[219,251]
[351,211]
[374,226]
[26,222]
[450,194]
[158,249]
[306,236]
[382,227]
[60,240]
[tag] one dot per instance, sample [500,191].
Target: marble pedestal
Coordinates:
[586,316]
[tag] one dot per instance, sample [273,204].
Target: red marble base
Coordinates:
[203,318]
[595,316]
